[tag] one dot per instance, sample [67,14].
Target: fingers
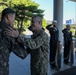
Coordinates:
[10,28]
[9,33]
[7,30]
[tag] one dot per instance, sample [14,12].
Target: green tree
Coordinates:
[25,9]
[44,23]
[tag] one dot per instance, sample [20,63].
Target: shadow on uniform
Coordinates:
[70,71]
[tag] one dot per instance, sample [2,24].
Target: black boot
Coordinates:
[53,66]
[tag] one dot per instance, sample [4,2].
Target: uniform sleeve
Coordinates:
[32,43]
[48,27]
[64,31]
[20,50]
[9,41]
[14,46]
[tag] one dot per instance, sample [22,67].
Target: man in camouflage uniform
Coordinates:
[8,43]
[38,45]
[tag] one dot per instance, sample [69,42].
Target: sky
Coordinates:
[69,9]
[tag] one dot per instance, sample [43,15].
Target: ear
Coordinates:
[8,17]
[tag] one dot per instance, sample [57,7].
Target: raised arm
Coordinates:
[33,43]
[48,27]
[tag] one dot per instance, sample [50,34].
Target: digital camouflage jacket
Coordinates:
[8,44]
[38,45]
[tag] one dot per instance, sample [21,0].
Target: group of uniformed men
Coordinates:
[54,38]
[12,41]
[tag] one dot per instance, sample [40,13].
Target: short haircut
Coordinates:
[7,11]
[37,18]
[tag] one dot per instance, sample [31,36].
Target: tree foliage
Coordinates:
[25,9]
[44,24]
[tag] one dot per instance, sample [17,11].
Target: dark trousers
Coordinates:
[53,49]
[66,51]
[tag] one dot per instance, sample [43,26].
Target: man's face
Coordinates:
[11,18]
[55,24]
[69,27]
[35,25]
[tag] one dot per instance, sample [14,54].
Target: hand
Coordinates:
[11,32]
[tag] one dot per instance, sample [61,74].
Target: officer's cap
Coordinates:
[55,21]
